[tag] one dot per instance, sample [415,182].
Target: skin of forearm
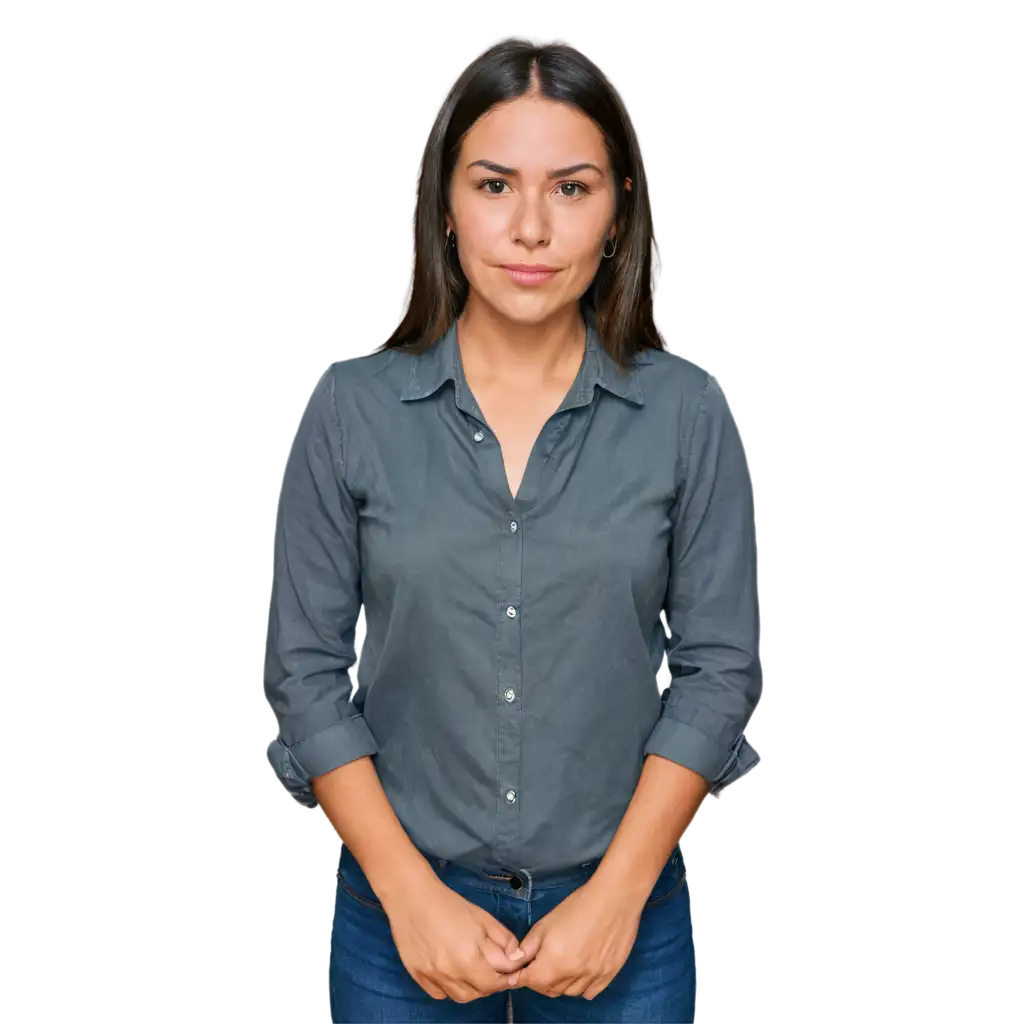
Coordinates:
[354,801]
[664,803]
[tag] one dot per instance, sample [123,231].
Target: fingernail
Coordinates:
[517,955]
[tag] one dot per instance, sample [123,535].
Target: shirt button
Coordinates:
[478,436]
[510,796]
[510,695]
[510,612]
[513,526]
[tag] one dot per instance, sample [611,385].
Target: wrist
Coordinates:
[629,872]
[626,890]
[400,875]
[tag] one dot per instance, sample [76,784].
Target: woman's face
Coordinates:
[532,186]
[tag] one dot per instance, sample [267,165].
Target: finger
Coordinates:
[467,987]
[518,979]
[532,942]
[576,988]
[500,946]
[498,959]
[528,976]
[501,936]
[560,987]
[432,989]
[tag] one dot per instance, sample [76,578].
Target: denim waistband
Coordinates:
[520,882]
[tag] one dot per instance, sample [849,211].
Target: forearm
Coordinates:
[354,800]
[665,800]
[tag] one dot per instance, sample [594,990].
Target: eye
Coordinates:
[491,181]
[576,185]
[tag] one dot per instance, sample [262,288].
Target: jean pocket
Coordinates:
[354,883]
[670,881]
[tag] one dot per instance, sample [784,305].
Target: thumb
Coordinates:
[512,950]
[501,948]
[531,943]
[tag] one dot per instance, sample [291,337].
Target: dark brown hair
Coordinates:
[620,294]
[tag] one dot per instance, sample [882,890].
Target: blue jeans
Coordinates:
[369,982]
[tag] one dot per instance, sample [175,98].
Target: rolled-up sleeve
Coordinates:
[314,606]
[712,605]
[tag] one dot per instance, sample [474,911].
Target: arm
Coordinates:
[323,751]
[357,806]
[698,745]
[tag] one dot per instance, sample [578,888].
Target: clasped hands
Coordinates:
[578,947]
[457,950]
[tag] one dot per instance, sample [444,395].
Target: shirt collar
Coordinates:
[442,362]
[430,368]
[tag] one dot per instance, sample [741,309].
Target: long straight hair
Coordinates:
[620,294]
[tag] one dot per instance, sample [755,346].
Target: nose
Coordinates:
[530,225]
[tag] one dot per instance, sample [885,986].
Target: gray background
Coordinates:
[196,211]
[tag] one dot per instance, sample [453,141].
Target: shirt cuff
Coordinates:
[330,748]
[719,766]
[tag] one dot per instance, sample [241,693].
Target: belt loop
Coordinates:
[527,876]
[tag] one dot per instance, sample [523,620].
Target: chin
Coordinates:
[527,308]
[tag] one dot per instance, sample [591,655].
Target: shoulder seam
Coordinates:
[693,428]
[337,423]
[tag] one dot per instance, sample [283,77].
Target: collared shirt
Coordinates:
[507,682]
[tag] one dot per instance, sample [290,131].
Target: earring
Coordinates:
[449,238]
[615,245]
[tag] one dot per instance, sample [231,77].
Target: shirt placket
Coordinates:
[509,610]
[509,718]
[556,434]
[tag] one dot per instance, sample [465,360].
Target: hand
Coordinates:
[579,946]
[453,948]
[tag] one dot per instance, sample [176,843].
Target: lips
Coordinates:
[527,273]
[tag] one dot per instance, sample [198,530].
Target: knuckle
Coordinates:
[467,958]
[431,987]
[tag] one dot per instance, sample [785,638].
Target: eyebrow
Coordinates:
[511,172]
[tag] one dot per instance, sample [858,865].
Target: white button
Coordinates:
[510,796]
[513,526]
[510,695]
[510,612]
[478,436]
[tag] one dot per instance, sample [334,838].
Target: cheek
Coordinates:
[482,228]
[582,242]
[584,248]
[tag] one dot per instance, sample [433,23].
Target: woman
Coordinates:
[515,486]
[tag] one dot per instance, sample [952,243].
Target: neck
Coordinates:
[495,346]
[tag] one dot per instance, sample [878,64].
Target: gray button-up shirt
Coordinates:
[507,682]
